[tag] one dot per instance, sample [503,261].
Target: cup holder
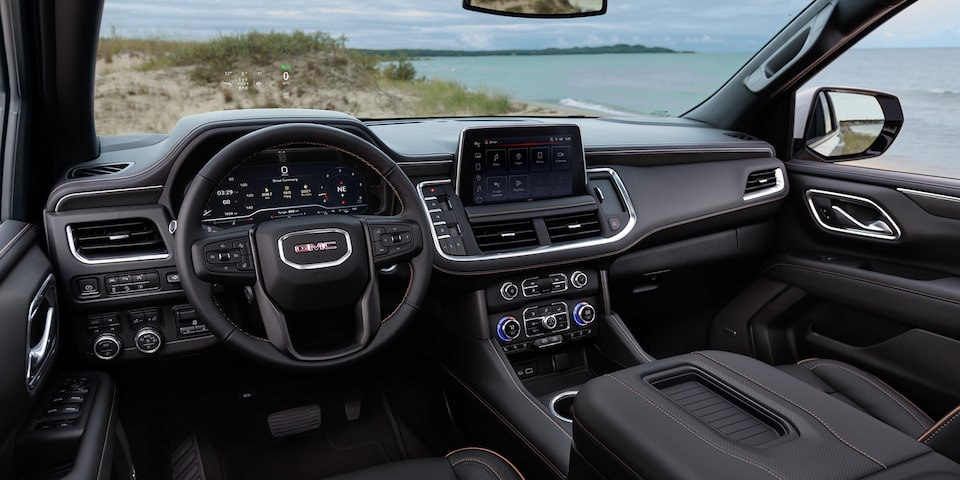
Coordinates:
[562,405]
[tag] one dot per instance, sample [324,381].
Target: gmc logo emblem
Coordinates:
[315,247]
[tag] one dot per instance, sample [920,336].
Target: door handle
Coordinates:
[851,215]
[876,226]
[41,344]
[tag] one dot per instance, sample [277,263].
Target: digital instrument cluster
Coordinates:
[288,183]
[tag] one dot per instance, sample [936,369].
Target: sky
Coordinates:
[698,25]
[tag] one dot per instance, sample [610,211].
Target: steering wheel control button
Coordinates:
[578,279]
[509,291]
[107,346]
[508,328]
[148,340]
[584,314]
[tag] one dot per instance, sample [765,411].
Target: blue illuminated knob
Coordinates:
[508,328]
[584,314]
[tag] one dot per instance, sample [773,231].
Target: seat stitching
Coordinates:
[888,394]
[601,445]
[940,428]
[685,426]
[795,404]
[501,457]
[485,464]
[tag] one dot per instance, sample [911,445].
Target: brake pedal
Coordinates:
[352,405]
[186,463]
[294,421]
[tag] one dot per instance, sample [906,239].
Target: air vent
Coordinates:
[568,228]
[98,170]
[762,183]
[741,136]
[116,241]
[493,237]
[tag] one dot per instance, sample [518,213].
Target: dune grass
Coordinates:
[324,59]
[442,97]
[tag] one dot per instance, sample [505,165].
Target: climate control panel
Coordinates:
[550,308]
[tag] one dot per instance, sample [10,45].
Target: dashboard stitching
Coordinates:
[863,280]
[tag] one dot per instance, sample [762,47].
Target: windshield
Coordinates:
[159,61]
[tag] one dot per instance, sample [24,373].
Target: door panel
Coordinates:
[23,271]
[880,289]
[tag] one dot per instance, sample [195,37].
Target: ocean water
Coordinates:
[927,81]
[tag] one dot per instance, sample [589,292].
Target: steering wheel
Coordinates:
[317,272]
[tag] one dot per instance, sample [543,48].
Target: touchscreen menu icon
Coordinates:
[540,159]
[519,159]
[496,161]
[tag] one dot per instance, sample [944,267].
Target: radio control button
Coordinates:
[578,279]
[549,322]
[509,291]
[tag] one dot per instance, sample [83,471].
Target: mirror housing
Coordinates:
[834,124]
[538,8]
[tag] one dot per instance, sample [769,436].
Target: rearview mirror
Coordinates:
[845,123]
[539,8]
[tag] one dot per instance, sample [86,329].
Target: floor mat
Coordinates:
[307,456]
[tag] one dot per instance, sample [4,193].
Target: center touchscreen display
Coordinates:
[520,163]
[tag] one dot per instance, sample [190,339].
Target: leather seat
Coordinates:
[871,395]
[463,464]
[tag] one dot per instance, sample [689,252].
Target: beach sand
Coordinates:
[129,99]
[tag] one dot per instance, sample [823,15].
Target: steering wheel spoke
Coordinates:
[225,258]
[393,239]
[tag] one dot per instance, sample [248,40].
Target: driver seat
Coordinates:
[465,464]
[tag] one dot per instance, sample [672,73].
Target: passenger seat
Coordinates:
[870,394]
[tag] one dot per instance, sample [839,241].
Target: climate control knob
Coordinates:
[107,346]
[584,314]
[549,322]
[148,340]
[508,328]
[578,279]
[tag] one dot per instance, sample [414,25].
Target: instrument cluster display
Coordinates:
[289,183]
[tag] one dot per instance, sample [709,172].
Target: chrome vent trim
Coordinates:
[98,170]
[763,183]
[117,241]
[512,235]
[563,247]
[569,228]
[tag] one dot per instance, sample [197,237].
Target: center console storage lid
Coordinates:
[708,415]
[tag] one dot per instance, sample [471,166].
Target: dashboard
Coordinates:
[535,238]
[292,182]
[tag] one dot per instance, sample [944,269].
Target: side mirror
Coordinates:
[538,8]
[833,124]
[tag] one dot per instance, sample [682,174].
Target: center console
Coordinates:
[715,414]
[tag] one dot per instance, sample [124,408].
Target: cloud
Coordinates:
[701,25]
